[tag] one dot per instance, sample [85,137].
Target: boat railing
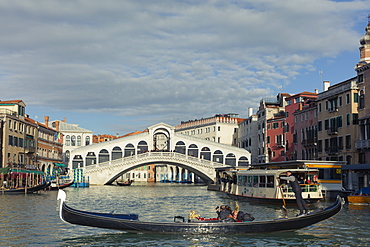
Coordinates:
[304,187]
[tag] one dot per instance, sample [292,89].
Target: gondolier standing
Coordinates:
[293,182]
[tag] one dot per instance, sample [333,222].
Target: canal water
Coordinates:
[32,220]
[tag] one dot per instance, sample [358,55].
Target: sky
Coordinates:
[115,67]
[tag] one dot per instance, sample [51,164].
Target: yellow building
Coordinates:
[338,121]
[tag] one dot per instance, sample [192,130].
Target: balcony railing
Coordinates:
[362,144]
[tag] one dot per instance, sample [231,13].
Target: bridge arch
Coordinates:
[108,172]
[132,147]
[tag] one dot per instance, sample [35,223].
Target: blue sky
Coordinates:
[120,66]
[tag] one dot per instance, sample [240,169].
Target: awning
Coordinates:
[59,165]
[4,170]
[356,167]
[25,171]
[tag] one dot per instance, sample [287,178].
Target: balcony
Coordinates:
[362,144]
[309,142]
[333,150]
[333,109]
[332,131]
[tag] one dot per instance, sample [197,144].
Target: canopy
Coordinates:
[4,170]
[25,171]
[59,165]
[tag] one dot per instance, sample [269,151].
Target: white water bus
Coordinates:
[259,182]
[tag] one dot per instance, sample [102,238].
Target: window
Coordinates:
[87,141]
[355,118]
[78,140]
[68,140]
[73,141]
[361,104]
[360,78]
[275,125]
[347,99]
[326,124]
[340,101]
[10,140]
[319,126]
[319,107]
[355,97]
[348,142]
[319,146]
[348,119]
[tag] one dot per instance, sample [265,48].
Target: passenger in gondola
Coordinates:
[223,212]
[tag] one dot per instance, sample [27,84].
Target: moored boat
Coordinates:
[21,181]
[262,184]
[124,183]
[360,197]
[130,222]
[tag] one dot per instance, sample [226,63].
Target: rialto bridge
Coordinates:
[159,145]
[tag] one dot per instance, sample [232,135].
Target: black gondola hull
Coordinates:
[25,191]
[130,223]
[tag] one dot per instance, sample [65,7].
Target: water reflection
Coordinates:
[32,220]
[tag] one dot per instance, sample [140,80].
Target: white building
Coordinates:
[247,133]
[221,128]
[73,137]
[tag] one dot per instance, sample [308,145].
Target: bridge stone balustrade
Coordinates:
[108,172]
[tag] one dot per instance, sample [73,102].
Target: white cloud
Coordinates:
[166,58]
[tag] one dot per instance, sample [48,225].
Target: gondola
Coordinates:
[25,190]
[55,186]
[126,183]
[130,222]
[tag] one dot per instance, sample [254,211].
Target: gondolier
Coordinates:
[293,182]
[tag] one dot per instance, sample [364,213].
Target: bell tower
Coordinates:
[365,46]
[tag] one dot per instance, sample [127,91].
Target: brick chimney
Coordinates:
[57,126]
[46,119]
[64,120]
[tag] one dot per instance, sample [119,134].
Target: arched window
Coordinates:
[142,147]
[68,154]
[218,156]
[180,147]
[103,156]
[68,140]
[87,140]
[205,153]
[116,153]
[230,159]
[90,159]
[243,161]
[73,141]
[78,140]
[129,150]
[193,150]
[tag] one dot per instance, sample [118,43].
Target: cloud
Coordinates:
[165,58]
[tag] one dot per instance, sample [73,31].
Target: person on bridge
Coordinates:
[293,182]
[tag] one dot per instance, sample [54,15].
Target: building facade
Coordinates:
[18,136]
[305,139]
[338,122]
[221,128]
[269,108]
[247,134]
[73,136]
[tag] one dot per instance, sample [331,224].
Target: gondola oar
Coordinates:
[284,203]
